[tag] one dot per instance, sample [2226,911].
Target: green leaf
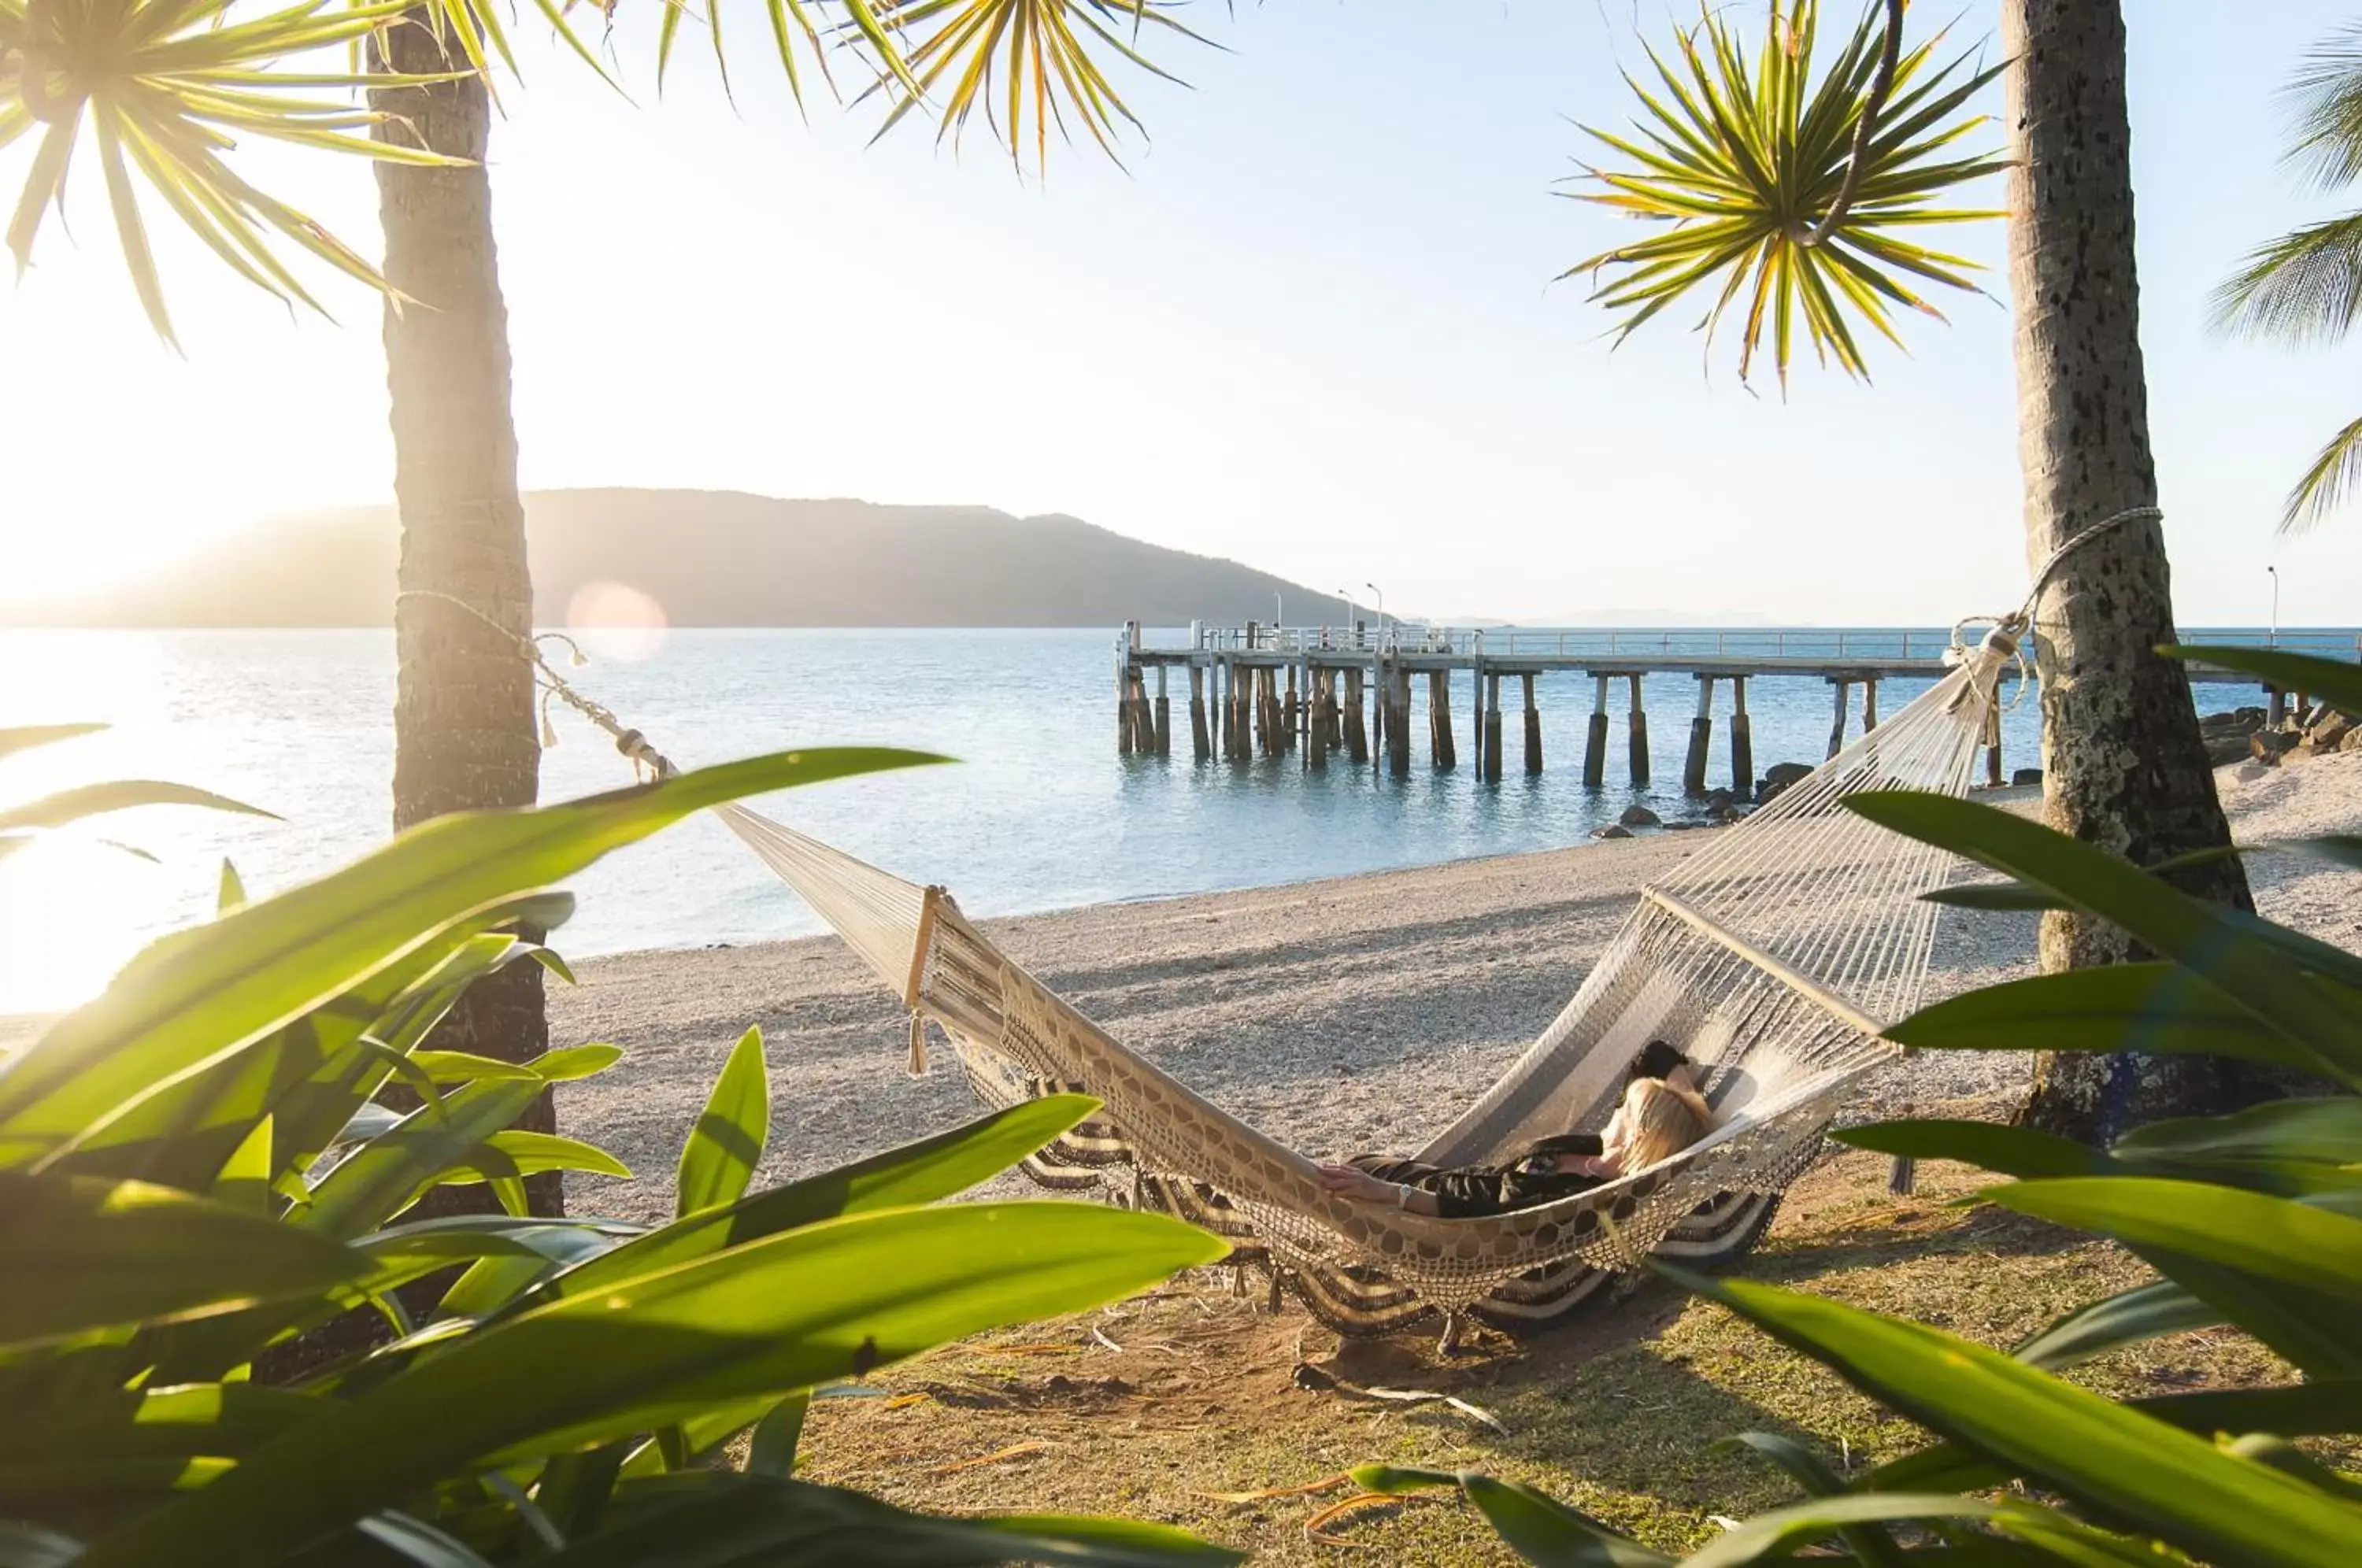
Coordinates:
[85,1253]
[2303,1410]
[727,1143]
[2211,941]
[415,1540]
[232,892]
[199,996]
[2146,1312]
[787,1312]
[2006,898]
[710,1517]
[2129,1466]
[2324,1131]
[121,795]
[25,738]
[1768,1537]
[2335,681]
[2013,1151]
[772,1450]
[30,1546]
[378,1181]
[2156,1009]
[2254,1233]
[1870,1545]
[916,1172]
[1538,1527]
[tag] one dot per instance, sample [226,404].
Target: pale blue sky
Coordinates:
[1313,328]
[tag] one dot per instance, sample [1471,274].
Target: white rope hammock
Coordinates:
[1774,958]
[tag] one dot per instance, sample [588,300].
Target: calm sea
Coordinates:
[1040,813]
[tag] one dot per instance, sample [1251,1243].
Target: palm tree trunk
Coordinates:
[2123,765]
[463,715]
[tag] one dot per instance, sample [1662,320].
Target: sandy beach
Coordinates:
[1359,1013]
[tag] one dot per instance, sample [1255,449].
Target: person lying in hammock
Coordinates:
[1661,1114]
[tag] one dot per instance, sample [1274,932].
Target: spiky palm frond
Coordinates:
[2304,287]
[1027,63]
[1745,158]
[165,88]
[2325,100]
[2323,488]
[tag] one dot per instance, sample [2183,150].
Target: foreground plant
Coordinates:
[2252,1221]
[196,1171]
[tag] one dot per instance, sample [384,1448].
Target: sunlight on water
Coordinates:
[1040,814]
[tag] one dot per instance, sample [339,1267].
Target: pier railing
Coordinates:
[1516,641]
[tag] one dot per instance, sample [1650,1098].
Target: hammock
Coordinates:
[1774,958]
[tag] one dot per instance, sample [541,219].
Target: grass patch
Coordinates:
[1156,1406]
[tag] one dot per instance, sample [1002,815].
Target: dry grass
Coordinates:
[1162,1405]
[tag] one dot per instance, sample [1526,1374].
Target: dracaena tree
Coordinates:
[1797,193]
[164,91]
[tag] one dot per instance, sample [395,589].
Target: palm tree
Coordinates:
[2305,287]
[162,81]
[1751,173]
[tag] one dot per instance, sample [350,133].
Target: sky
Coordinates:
[1312,326]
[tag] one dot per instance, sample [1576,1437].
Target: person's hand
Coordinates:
[1349,1181]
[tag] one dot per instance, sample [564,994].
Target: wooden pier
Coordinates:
[1277,691]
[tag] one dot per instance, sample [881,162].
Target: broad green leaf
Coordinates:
[2313,1330]
[465,1067]
[310,1077]
[1538,1527]
[522,1153]
[2210,941]
[772,1451]
[2303,1410]
[1868,1543]
[2289,1147]
[2277,1238]
[25,738]
[231,891]
[2146,1312]
[727,1143]
[119,795]
[2152,1008]
[245,1179]
[201,996]
[783,1313]
[2335,681]
[2129,1466]
[376,1181]
[30,1546]
[116,1447]
[416,1541]
[1769,1537]
[1989,1145]
[916,1172]
[85,1253]
[712,1517]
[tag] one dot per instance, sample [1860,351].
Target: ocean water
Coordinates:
[1039,813]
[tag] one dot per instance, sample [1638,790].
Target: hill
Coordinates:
[725,559]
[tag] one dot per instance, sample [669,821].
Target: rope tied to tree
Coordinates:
[556,687]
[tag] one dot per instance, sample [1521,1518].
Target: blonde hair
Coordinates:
[1662,1122]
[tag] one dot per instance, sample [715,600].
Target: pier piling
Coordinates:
[1844,689]
[1492,727]
[1701,739]
[1200,742]
[1439,719]
[1742,742]
[1318,732]
[1163,717]
[1594,747]
[1287,730]
[1533,726]
[1357,738]
[1398,686]
[1640,737]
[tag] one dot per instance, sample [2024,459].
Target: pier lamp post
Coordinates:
[1381,593]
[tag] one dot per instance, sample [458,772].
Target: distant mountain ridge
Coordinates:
[722,559]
